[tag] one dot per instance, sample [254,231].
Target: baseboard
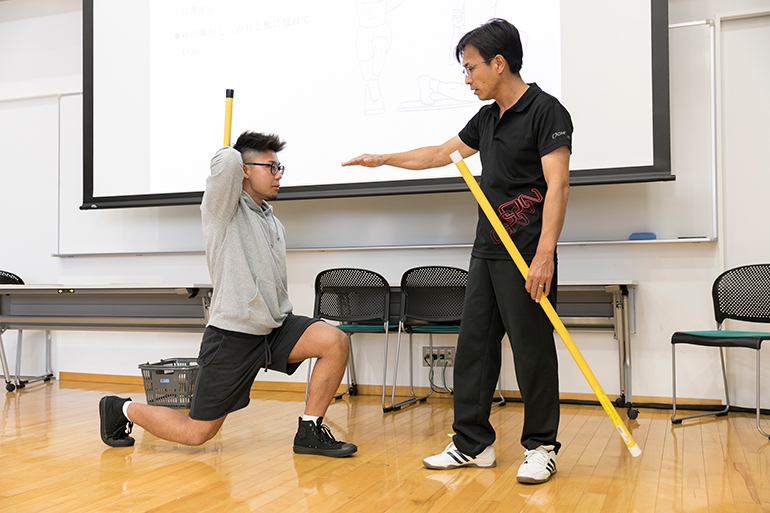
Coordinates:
[100,378]
[272,386]
[266,386]
[376,390]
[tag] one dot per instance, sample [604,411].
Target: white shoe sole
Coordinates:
[533,480]
[450,467]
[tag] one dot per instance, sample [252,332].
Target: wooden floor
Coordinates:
[52,460]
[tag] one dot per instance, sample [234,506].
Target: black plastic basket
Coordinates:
[170,382]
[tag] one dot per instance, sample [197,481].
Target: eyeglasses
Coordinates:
[274,168]
[467,70]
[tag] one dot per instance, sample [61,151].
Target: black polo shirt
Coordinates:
[512,175]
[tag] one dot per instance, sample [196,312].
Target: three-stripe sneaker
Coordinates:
[453,458]
[539,465]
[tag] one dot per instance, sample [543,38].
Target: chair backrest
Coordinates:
[7,278]
[434,294]
[351,295]
[743,293]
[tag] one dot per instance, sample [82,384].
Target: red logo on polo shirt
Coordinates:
[515,212]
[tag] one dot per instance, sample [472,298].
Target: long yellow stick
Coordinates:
[547,307]
[228,114]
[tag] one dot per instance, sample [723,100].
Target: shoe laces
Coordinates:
[325,434]
[123,430]
[536,457]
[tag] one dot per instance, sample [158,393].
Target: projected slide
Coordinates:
[343,77]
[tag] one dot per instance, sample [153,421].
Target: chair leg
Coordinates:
[48,365]
[385,368]
[414,399]
[411,364]
[9,385]
[673,383]
[19,382]
[395,371]
[501,402]
[352,368]
[724,380]
[22,382]
[674,419]
[758,389]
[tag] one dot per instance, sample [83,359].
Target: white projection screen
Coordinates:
[342,77]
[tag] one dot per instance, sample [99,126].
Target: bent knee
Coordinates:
[201,438]
[341,343]
[334,343]
[202,432]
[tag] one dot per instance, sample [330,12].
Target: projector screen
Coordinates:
[339,78]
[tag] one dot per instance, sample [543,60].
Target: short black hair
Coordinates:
[258,142]
[496,36]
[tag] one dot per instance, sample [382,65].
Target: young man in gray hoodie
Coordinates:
[251,324]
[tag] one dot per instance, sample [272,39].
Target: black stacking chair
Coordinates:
[7,278]
[743,294]
[432,300]
[360,301]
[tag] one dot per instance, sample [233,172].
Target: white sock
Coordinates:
[311,418]
[125,409]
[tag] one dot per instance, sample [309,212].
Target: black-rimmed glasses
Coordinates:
[274,168]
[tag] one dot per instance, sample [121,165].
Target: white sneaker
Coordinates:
[453,458]
[539,465]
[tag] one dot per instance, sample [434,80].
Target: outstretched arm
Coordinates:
[421,158]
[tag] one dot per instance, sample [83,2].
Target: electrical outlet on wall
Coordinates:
[441,354]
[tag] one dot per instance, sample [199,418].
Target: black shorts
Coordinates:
[229,362]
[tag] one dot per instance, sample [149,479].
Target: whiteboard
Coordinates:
[682,208]
[671,210]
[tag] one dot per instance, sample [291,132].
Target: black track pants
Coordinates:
[496,302]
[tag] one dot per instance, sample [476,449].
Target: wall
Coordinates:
[40,168]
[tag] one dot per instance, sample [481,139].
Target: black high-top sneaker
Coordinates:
[317,438]
[115,427]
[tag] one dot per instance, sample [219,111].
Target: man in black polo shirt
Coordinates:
[525,142]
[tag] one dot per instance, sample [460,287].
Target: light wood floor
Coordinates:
[52,460]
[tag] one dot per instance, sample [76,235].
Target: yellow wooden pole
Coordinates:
[546,305]
[228,114]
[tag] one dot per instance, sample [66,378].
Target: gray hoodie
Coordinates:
[245,252]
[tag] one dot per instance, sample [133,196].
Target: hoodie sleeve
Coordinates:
[224,185]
